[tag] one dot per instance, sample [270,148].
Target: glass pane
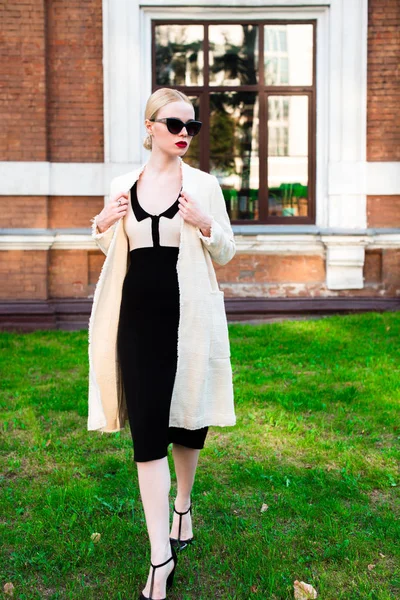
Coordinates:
[288,54]
[233,54]
[179,54]
[288,156]
[192,156]
[234,161]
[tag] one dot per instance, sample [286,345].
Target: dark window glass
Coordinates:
[179,55]
[192,156]
[233,54]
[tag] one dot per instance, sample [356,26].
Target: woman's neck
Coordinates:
[160,163]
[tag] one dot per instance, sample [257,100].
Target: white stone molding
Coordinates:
[383,178]
[26,242]
[55,241]
[305,244]
[93,179]
[122,81]
[300,244]
[344,261]
[384,241]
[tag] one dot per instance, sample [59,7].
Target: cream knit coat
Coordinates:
[203,390]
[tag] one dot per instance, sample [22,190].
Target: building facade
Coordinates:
[300,103]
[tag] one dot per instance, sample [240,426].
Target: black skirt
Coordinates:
[147,345]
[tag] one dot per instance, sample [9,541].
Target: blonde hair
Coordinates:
[157,100]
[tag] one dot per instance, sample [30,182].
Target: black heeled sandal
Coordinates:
[170,579]
[178,543]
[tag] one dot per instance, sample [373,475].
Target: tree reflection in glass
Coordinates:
[233,54]
[234,150]
[179,54]
[192,156]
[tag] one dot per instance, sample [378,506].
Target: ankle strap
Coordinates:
[154,572]
[180,519]
[162,564]
[183,513]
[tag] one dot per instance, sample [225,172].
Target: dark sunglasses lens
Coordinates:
[175,125]
[193,127]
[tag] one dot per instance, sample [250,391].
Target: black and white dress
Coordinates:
[147,341]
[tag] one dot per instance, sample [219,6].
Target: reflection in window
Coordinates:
[288,156]
[234,125]
[233,54]
[192,156]
[179,54]
[288,53]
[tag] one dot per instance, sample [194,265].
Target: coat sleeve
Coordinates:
[221,242]
[103,239]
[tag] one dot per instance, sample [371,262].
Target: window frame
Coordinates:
[263,91]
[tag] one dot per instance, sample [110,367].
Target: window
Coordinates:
[253,86]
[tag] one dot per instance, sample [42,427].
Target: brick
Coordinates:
[22,66]
[67,212]
[268,268]
[383,211]
[383,81]
[68,274]
[19,280]
[373,267]
[23,211]
[75,77]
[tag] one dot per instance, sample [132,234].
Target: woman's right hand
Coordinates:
[112,211]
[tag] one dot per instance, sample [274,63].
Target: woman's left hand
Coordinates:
[190,210]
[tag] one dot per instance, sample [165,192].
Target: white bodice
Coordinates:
[145,230]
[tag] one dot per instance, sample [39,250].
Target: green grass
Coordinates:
[317,441]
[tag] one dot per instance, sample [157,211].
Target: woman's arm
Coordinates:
[221,241]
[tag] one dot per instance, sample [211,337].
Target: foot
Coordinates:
[160,577]
[186,526]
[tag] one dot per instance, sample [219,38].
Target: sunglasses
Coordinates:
[175,126]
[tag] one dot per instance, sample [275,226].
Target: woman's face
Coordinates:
[175,145]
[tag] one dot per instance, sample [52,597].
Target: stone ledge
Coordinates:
[73,314]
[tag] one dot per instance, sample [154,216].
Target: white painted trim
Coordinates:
[236,4]
[345,257]
[383,178]
[383,241]
[47,242]
[122,80]
[279,244]
[93,179]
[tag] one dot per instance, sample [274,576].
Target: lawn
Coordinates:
[305,487]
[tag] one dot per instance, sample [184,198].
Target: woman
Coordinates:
[159,351]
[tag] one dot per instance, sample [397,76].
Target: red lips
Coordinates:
[181,144]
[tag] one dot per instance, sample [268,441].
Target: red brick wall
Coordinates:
[383,211]
[23,211]
[22,74]
[23,274]
[75,80]
[268,268]
[67,212]
[68,274]
[383,125]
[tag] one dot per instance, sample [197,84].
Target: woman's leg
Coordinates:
[185,460]
[155,484]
